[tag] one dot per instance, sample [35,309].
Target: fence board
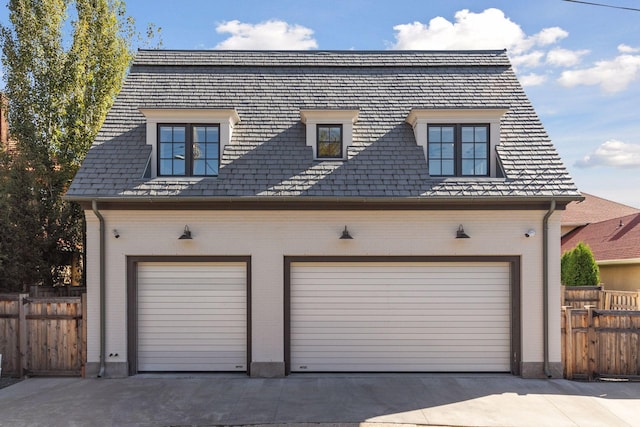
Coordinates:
[42,336]
[601,343]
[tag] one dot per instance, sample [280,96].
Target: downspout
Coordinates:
[94,206]
[545,287]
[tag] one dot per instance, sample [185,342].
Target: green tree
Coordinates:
[62,76]
[579,268]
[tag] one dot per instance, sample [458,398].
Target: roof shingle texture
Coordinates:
[268,155]
[614,239]
[594,209]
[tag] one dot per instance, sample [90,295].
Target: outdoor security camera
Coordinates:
[115,233]
[530,233]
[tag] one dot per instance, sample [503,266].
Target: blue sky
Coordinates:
[579,64]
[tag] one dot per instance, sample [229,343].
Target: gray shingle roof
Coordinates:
[268,156]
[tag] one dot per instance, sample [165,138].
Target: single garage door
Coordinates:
[192,316]
[393,317]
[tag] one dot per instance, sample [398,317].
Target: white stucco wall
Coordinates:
[268,236]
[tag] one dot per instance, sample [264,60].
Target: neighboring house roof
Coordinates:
[268,158]
[594,209]
[614,239]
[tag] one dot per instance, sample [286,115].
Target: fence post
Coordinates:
[591,341]
[83,340]
[22,334]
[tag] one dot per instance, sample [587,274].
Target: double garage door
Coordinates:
[340,316]
[191,316]
[394,317]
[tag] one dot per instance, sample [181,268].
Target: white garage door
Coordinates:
[192,316]
[412,317]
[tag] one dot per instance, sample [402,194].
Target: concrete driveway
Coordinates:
[442,400]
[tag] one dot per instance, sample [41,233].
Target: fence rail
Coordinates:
[42,336]
[582,296]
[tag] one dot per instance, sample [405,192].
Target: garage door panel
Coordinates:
[191,316]
[400,317]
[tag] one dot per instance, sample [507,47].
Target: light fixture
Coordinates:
[115,233]
[186,235]
[345,234]
[460,234]
[530,233]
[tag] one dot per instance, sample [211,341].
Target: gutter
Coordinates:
[545,288]
[94,206]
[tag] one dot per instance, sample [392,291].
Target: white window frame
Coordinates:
[312,118]
[226,118]
[420,119]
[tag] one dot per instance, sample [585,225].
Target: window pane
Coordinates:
[435,151]
[197,151]
[481,167]
[198,167]
[467,151]
[178,134]
[447,151]
[329,149]
[166,134]
[178,167]
[178,151]
[434,134]
[481,151]
[447,134]
[481,134]
[199,134]
[323,134]
[468,167]
[434,167]
[213,134]
[211,151]
[166,167]
[447,167]
[335,134]
[467,134]
[211,167]
[166,151]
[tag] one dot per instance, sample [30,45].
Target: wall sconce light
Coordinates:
[345,234]
[186,235]
[116,234]
[460,234]
[530,233]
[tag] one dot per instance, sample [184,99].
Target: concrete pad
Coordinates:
[319,401]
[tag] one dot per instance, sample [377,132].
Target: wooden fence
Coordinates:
[582,296]
[600,343]
[42,336]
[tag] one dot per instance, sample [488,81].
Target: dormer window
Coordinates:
[187,142]
[329,132]
[329,141]
[188,150]
[458,143]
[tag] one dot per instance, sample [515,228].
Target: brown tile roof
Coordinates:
[594,209]
[614,239]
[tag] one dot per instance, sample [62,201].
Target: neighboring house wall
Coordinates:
[620,277]
[269,236]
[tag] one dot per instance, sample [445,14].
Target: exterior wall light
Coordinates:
[345,234]
[460,234]
[186,235]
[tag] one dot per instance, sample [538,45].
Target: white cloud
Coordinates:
[623,48]
[528,60]
[613,153]
[489,29]
[532,79]
[612,76]
[271,34]
[565,57]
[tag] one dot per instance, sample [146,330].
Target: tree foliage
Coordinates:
[578,267]
[61,78]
